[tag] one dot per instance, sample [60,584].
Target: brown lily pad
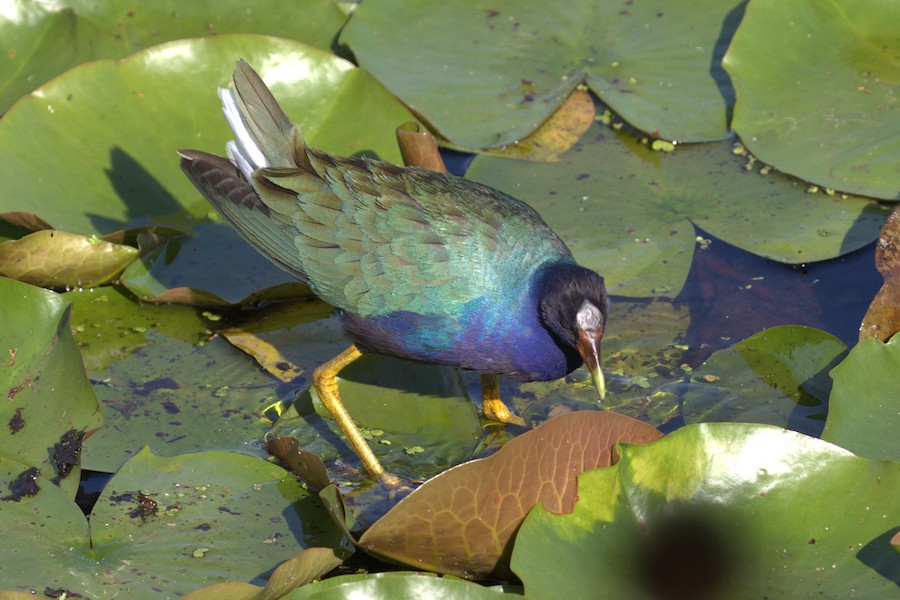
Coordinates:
[462,522]
[59,259]
[882,320]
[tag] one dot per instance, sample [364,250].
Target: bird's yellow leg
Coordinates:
[325,382]
[493,407]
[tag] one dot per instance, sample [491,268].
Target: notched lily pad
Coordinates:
[42,40]
[48,403]
[462,521]
[489,75]
[778,377]
[863,415]
[399,585]
[645,248]
[174,523]
[817,91]
[59,259]
[211,267]
[290,575]
[115,126]
[720,510]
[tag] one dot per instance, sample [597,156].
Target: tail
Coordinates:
[264,136]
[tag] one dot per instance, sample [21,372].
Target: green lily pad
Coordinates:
[60,259]
[778,377]
[817,86]
[214,266]
[488,75]
[307,566]
[162,523]
[49,404]
[114,126]
[401,406]
[396,586]
[644,248]
[720,511]
[863,415]
[40,43]
[163,383]
[42,40]
[417,418]
[642,357]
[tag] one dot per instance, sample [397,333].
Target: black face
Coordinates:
[570,294]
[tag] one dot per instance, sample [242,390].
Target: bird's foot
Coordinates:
[501,414]
[493,407]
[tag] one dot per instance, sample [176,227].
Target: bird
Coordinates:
[419,264]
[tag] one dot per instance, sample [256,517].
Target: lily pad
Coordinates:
[49,403]
[42,40]
[778,377]
[162,523]
[163,383]
[489,75]
[720,510]
[644,248]
[417,418]
[396,586]
[817,86]
[462,521]
[114,126]
[643,354]
[59,259]
[212,267]
[310,564]
[863,415]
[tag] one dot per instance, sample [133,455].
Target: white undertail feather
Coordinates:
[243,150]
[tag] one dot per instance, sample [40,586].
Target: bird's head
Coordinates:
[574,306]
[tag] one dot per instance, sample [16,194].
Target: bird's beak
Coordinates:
[588,344]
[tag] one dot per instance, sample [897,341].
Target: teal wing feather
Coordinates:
[373,238]
[367,236]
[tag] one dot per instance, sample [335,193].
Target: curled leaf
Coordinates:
[418,148]
[882,320]
[557,134]
[59,259]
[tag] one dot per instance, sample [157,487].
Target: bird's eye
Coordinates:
[588,317]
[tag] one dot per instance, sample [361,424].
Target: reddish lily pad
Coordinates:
[462,521]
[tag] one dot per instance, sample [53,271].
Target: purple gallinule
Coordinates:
[420,265]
